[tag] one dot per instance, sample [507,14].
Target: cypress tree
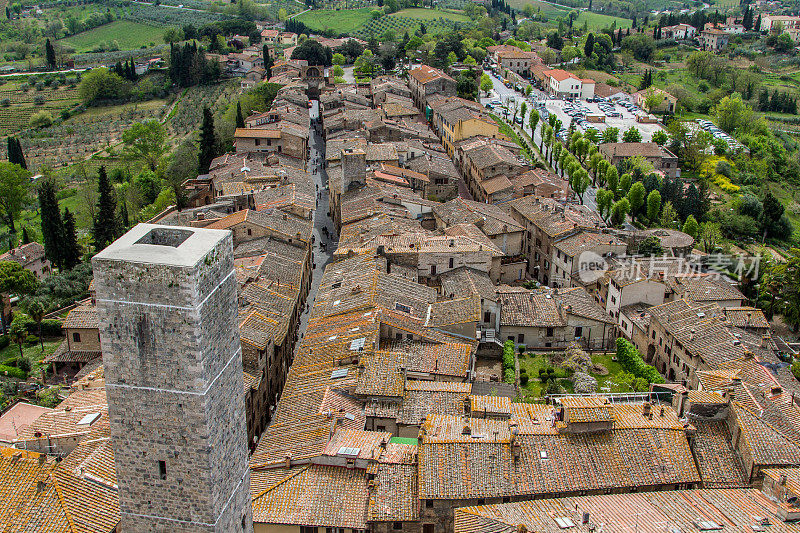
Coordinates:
[105,222]
[19,157]
[239,118]
[207,141]
[25,237]
[124,220]
[71,250]
[51,222]
[50,54]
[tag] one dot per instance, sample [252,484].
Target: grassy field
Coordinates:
[32,352]
[430,14]
[341,21]
[129,35]
[596,21]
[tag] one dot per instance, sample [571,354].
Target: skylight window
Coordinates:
[564,522]
[707,525]
[339,373]
[88,419]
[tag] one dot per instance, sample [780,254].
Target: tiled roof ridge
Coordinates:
[282,481]
[762,421]
[63,504]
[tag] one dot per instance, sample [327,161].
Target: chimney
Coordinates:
[646,410]
[287,460]
[42,459]
[40,487]
[765,340]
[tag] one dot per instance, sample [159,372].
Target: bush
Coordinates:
[42,119]
[13,372]
[631,360]
[31,340]
[4,342]
[5,102]
[796,368]
[51,328]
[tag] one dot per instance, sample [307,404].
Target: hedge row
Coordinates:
[509,374]
[631,360]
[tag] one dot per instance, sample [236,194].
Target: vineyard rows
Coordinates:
[399,25]
[166,16]
[188,114]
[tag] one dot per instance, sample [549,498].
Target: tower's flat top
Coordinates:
[163,245]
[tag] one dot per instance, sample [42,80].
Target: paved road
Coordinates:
[320,257]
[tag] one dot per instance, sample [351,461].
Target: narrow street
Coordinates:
[320,256]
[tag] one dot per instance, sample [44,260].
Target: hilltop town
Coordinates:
[439,295]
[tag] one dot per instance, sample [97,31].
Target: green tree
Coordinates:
[16,280]
[770,214]
[338,59]
[208,142]
[632,135]
[604,199]
[14,192]
[36,310]
[619,211]
[15,153]
[18,333]
[104,229]
[52,224]
[146,141]
[610,135]
[669,216]
[653,206]
[709,235]
[636,197]
[101,84]
[651,246]
[50,54]
[486,83]
[71,249]
[732,113]
[580,183]
[239,117]
[533,120]
[660,138]
[612,179]
[690,227]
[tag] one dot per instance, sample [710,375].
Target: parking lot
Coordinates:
[621,115]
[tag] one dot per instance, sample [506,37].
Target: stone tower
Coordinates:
[166,297]
[354,168]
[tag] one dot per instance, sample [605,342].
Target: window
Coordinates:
[244,523]
[452,261]
[76,337]
[249,231]
[578,332]
[381,428]
[487,316]
[549,332]
[308,529]
[162,469]
[429,504]
[520,338]
[398,526]
[428,528]
[433,270]
[481,501]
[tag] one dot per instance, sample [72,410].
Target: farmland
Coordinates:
[18,101]
[341,21]
[430,14]
[127,34]
[596,21]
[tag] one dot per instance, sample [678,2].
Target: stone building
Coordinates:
[30,257]
[166,298]
[425,81]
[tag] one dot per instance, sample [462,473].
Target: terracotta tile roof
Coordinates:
[532,309]
[82,317]
[746,317]
[766,445]
[19,415]
[554,218]
[584,241]
[648,512]
[718,462]
[24,254]
[306,498]
[394,497]
[576,301]
[704,289]
[625,150]
[425,74]
[450,312]
[490,405]
[465,281]
[64,355]
[425,398]
[456,463]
